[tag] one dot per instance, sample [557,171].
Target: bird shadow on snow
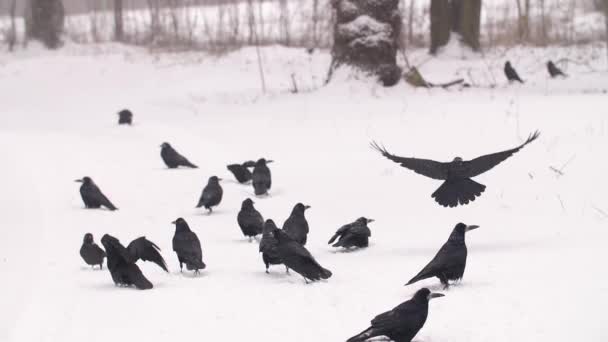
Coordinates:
[437,287]
[190,275]
[341,250]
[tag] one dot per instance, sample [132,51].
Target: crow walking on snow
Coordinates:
[261,178]
[354,234]
[212,194]
[187,246]
[90,252]
[172,158]
[268,245]
[296,225]
[250,220]
[554,71]
[298,258]
[511,73]
[92,197]
[125,117]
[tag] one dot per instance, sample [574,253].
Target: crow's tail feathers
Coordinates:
[333,238]
[189,164]
[363,336]
[454,192]
[325,273]
[138,279]
[195,265]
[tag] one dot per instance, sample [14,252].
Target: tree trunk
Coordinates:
[366,36]
[440,24]
[44,20]
[118,21]
[606,20]
[470,18]
[12,36]
[460,16]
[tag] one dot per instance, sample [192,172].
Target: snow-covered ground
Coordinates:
[536,269]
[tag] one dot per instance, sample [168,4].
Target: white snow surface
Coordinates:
[536,269]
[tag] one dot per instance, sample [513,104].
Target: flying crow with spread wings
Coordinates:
[458,187]
[122,261]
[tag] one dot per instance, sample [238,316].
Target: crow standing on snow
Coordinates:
[125,117]
[212,194]
[122,261]
[241,171]
[172,158]
[354,234]
[261,177]
[268,245]
[92,197]
[90,252]
[298,258]
[187,247]
[458,187]
[296,225]
[403,322]
[554,71]
[511,73]
[250,220]
[450,261]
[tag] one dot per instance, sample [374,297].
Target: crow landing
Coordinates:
[172,158]
[354,234]
[554,71]
[458,187]
[450,261]
[92,197]
[241,171]
[122,261]
[511,73]
[90,252]
[187,246]
[403,322]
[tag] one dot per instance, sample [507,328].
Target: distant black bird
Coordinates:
[403,322]
[458,187]
[298,258]
[450,261]
[241,171]
[250,220]
[268,245]
[554,71]
[354,234]
[172,158]
[296,225]
[122,261]
[125,117]
[92,197]
[212,194]
[187,247]
[511,73]
[90,252]
[261,177]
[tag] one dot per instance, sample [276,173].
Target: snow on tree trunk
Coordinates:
[44,21]
[366,37]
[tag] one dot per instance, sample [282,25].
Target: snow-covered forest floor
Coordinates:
[536,269]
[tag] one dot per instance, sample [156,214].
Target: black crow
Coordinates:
[450,261]
[296,225]
[125,117]
[92,197]
[187,247]
[262,180]
[403,322]
[298,258]
[212,194]
[172,158]
[511,73]
[354,234]
[458,187]
[268,245]
[241,171]
[554,71]
[90,252]
[122,261]
[250,220]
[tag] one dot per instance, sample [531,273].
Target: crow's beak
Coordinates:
[220,179]
[370,220]
[269,161]
[174,222]
[469,228]
[435,295]
[79,181]
[306,207]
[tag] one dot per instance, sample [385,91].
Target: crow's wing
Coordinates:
[249,163]
[268,243]
[95,195]
[482,164]
[339,232]
[393,319]
[446,258]
[143,249]
[426,167]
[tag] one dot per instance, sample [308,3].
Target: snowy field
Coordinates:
[536,269]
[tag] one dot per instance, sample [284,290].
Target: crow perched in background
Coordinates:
[268,245]
[511,73]
[554,71]
[90,252]
[125,117]
[354,234]
[122,261]
[298,258]
[241,171]
[262,180]
[250,220]
[92,197]
[212,194]
[296,225]
[173,159]
[458,187]
[450,261]
[403,322]
[187,247]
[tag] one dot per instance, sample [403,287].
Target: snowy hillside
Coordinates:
[536,267]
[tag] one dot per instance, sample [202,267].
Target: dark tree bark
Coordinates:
[44,20]
[366,37]
[470,18]
[440,24]
[460,16]
[119,33]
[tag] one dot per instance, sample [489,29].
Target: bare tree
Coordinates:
[12,35]
[44,20]
[523,19]
[118,21]
[606,20]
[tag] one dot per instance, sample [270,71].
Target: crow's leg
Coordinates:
[286,269]
[444,281]
[267,266]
